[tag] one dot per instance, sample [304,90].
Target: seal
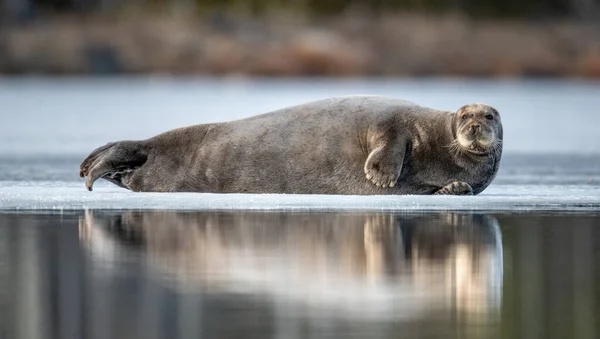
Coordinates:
[359,145]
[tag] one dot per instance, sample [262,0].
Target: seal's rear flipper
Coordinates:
[455,187]
[112,162]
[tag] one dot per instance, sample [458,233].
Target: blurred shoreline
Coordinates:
[288,45]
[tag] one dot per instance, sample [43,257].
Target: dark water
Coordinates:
[167,274]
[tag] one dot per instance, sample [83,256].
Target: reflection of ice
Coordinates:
[367,265]
[72,195]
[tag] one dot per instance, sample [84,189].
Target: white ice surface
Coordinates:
[53,195]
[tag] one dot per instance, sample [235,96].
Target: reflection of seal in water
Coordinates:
[362,263]
[323,147]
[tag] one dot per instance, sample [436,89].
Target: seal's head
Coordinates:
[478,129]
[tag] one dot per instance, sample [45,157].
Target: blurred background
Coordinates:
[476,38]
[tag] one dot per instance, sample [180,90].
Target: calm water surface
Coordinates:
[81,272]
[168,274]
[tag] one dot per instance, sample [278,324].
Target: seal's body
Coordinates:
[349,145]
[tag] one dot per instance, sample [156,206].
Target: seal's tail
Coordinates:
[113,162]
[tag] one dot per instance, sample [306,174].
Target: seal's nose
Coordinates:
[475,127]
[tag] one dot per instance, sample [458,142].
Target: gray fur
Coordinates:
[347,145]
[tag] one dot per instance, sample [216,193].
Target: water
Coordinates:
[167,274]
[519,260]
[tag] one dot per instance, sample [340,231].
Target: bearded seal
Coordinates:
[358,145]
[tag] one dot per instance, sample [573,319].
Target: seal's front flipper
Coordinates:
[384,164]
[455,187]
[113,162]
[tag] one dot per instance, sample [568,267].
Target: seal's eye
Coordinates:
[464,117]
[489,117]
